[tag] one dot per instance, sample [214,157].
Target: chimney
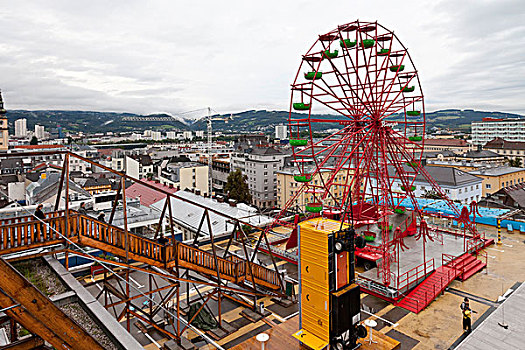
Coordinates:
[220,199]
[197,192]
[232,203]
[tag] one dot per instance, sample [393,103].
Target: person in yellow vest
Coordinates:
[467,320]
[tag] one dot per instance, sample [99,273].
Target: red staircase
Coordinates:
[429,289]
[467,265]
[452,267]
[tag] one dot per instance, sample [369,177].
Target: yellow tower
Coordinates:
[4,137]
[329,297]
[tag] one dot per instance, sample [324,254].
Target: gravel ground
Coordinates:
[77,313]
[38,273]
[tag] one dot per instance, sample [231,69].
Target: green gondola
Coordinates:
[313,75]
[369,238]
[399,68]
[300,106]
[413,188]
[408,89]
[399,211]
[314,207]
[329,54]
[367,43]
[381,227]
[303,178]
[413,164]
[383,52]
[413,113]
[415,138]
[347,43]
[298,142]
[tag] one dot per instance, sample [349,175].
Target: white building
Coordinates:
[39,132]
[138,166]
[281,132]
[199,133]
[21,127]
[171,135]
[187,135]
[261,164]
[457,185]
[490,128]
[156,135]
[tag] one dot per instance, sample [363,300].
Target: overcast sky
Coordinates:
[175,56]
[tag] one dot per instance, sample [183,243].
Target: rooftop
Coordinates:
[446,142]
[499,143]
[497,171]
[481,154]
[147,195]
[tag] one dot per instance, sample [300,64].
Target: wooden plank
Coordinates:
[19,289]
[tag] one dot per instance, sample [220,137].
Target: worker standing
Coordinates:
[467,320]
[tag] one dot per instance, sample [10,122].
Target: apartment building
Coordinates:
[507,149]
[185,175]
[261,164]
[490,128]
[496,178]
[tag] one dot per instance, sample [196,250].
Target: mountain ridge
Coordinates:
[247,121]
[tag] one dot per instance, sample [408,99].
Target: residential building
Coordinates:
[199,133]
[46,188]
[457,146]
[482,156]
[4,129]
[138,166]
[21,127]
[39,132]
[490,128]
[494,179]
[187,135]
[287,187]
[186,175]
[508,149]
[458,185]
[260,165]
[156,136]
[171,135]
[512,196]
[220,169]
[97,185]
[281,132]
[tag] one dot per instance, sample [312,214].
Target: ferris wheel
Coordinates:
[357,121]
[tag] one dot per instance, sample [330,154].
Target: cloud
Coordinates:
[146,57]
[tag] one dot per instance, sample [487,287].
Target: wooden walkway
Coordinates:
[24,233]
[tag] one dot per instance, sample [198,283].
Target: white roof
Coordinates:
[189,215]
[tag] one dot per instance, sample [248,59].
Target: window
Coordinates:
[488,186]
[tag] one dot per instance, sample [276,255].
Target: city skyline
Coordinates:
[131,57]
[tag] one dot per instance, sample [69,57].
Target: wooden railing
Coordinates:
[18,233]
[27,232]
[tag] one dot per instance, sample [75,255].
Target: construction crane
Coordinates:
[209,130]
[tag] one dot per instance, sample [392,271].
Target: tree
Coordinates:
[516,162]
[237,188]
[34,141]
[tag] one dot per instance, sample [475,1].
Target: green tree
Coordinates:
[34,141]
[515,162]
[237,188]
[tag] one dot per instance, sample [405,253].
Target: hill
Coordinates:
[248,121]
[94,122]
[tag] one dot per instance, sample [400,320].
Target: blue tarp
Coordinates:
[488,215]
